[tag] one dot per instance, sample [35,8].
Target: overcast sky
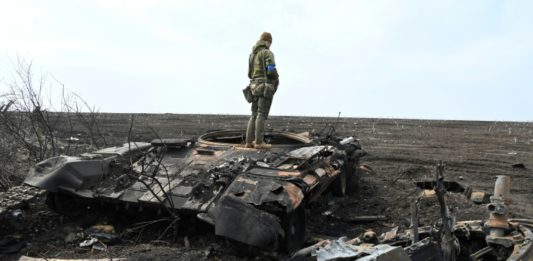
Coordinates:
[399,59]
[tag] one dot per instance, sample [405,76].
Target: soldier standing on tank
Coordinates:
[264,81]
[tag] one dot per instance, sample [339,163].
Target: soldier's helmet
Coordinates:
[266,36]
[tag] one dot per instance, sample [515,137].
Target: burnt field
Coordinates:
[400,153]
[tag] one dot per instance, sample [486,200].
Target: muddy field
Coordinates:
[400,152]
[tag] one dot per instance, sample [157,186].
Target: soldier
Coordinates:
[264,81]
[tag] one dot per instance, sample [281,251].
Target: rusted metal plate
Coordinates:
[289,173]
[295,194]
[310,180]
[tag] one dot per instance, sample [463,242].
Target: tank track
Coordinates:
[18,197]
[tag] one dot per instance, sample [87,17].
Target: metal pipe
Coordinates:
[498,207]
[477,255]
[414,223]
[502,187]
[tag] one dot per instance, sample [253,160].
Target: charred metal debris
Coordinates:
[258,197]
[496,237]
[253,196]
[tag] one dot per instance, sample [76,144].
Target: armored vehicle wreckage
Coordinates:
[498,237]
[253,196]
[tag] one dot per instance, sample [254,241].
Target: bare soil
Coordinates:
[400,152]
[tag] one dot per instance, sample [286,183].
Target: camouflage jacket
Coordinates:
[262,59]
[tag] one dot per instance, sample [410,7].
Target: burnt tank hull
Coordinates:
[255,196]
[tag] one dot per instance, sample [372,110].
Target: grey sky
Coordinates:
[401,59]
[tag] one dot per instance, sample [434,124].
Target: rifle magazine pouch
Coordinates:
[248,94]
[269,90]
[257,89]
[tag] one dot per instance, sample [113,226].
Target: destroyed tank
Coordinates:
[253,196]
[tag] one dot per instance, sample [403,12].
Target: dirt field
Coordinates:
[400,152]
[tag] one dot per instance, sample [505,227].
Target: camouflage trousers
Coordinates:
[256,124]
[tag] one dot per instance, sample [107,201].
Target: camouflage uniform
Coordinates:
[261,63]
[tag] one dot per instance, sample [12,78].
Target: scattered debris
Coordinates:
[364,218]
[73,139]
[109,229]
[26,258]
[99,246]
[428,191]
[367,169]
[341,249]
[388,236]
[498,238]
[89,242]
[304,252]
[370,237]
[519,166]
[104,233]
[479,197]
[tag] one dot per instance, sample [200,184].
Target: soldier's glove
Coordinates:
[275,83]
